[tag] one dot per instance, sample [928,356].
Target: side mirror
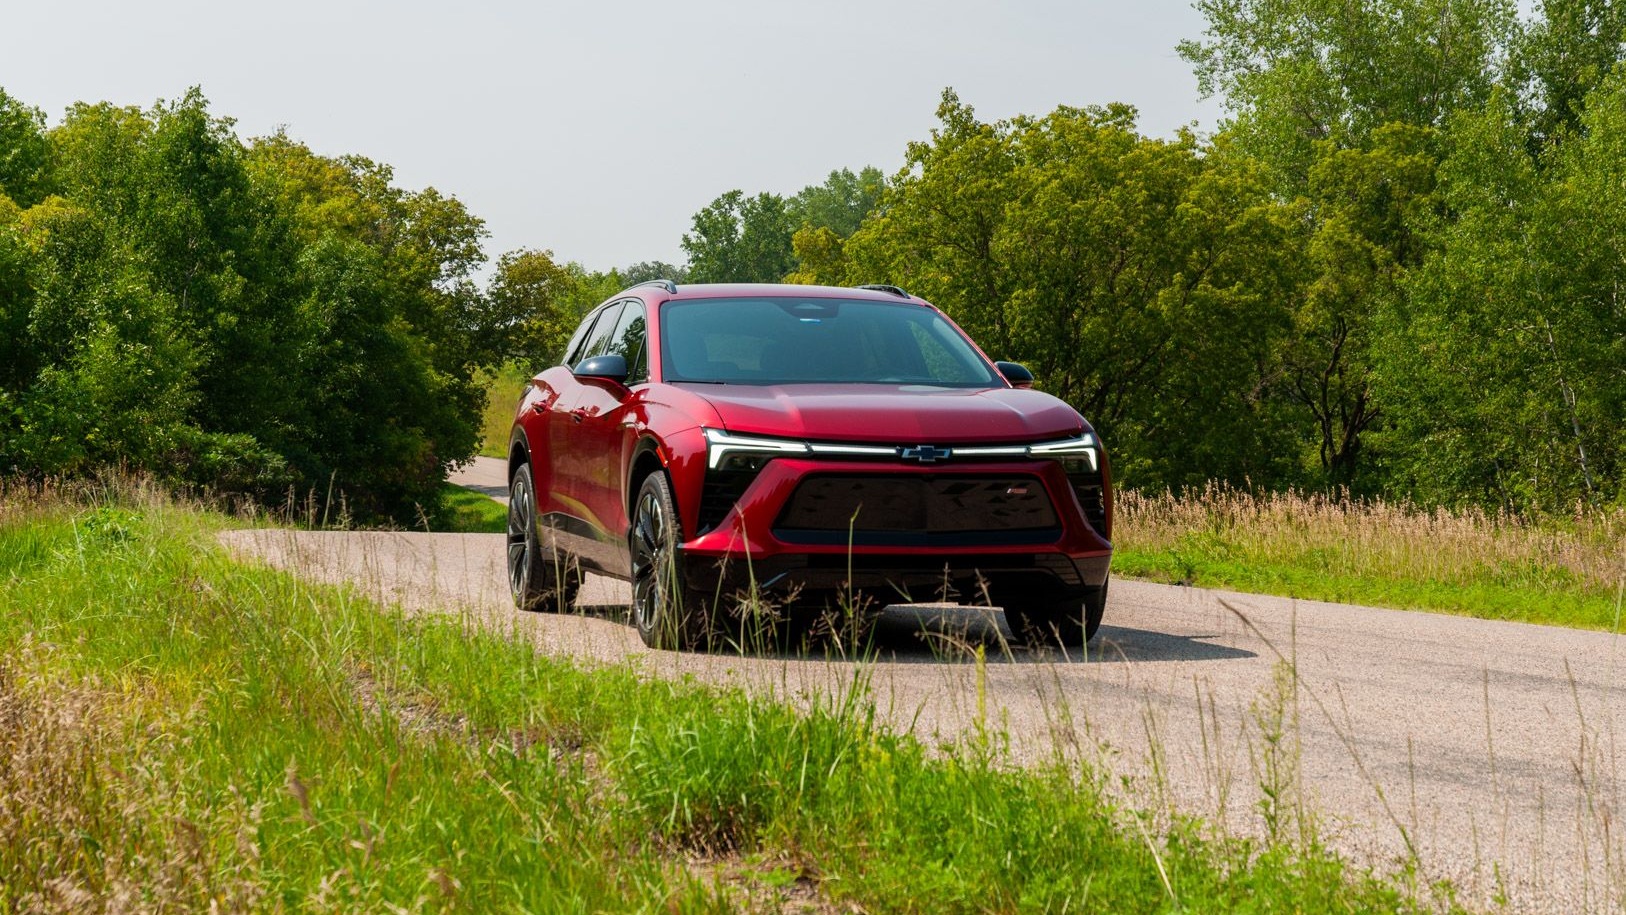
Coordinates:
[608,367]
[1016,373]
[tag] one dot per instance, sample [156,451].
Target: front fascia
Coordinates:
[747,530]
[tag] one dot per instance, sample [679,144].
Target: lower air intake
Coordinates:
[913,510]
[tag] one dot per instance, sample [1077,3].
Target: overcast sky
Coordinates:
[596,130]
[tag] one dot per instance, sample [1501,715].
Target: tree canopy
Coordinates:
[250,316]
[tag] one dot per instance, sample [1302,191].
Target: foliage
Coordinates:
[24,153]
[1504,370]
[246,316]
[1559,58]
[532,307]
[768,238]
[1393,270]
[1293,72]
[1137,278]
[740,239]
[1363,209]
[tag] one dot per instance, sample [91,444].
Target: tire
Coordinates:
[667,613]
[539,579]
[1041,619]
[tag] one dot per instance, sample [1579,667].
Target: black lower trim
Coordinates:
[572,535]
[1038,537]
[917,577]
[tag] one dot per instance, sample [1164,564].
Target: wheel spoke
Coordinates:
[521,540]
[648,555]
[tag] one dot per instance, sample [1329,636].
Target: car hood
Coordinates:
[890,414]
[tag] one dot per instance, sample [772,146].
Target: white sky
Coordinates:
[597,130]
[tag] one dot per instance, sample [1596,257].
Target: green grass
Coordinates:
[1566,571]
[202,733]
[465,511]
[503,388]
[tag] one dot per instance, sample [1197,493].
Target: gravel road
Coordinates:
[1485,752]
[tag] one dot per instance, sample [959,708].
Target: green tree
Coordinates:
[841,203]
[1294,72]
[105,375]
[1561,56]
[740,239]
[248,317]
[644,271]
[535,308]
[1362,213]
[1503,369]
[1134,276]
[821,257]
[24,154]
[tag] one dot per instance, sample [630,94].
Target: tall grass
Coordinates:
[1566,571]
[182,733]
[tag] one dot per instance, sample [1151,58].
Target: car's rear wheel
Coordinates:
[665,610]
[539,579]
[1041,618]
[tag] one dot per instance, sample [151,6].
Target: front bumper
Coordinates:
[747,548]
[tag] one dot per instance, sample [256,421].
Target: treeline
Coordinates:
[246,316]
[1398,266]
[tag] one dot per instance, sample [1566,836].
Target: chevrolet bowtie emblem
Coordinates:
[925,454]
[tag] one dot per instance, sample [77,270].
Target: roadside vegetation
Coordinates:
[1562,571]
[464,511]
[503,386]
[182,732]
[1391,271]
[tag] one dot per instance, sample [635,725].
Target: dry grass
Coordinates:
[89,823]
[1559,570]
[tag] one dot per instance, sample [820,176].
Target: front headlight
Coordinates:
[744,452]
[1072,452]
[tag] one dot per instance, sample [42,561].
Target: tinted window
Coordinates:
[598,341]
[628,340]
[572,354]
[786,340]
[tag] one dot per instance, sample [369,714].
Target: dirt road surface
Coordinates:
[1485,752]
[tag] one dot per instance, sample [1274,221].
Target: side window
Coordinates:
[573,349]
[628,340]
[599,339]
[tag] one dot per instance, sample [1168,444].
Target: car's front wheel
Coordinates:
[1048,619]
[665,610]
[538,579]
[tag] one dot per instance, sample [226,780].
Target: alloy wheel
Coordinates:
[650,553]
[521,537]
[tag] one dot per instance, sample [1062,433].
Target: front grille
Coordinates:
[918,510]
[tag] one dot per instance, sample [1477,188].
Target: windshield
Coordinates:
[833,341]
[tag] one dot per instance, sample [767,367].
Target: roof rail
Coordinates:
[665,284]
[882,287]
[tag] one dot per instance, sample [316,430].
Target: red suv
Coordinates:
[706,441]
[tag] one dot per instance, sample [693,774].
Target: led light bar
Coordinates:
[879,450]
[720,444]
[1083,446]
